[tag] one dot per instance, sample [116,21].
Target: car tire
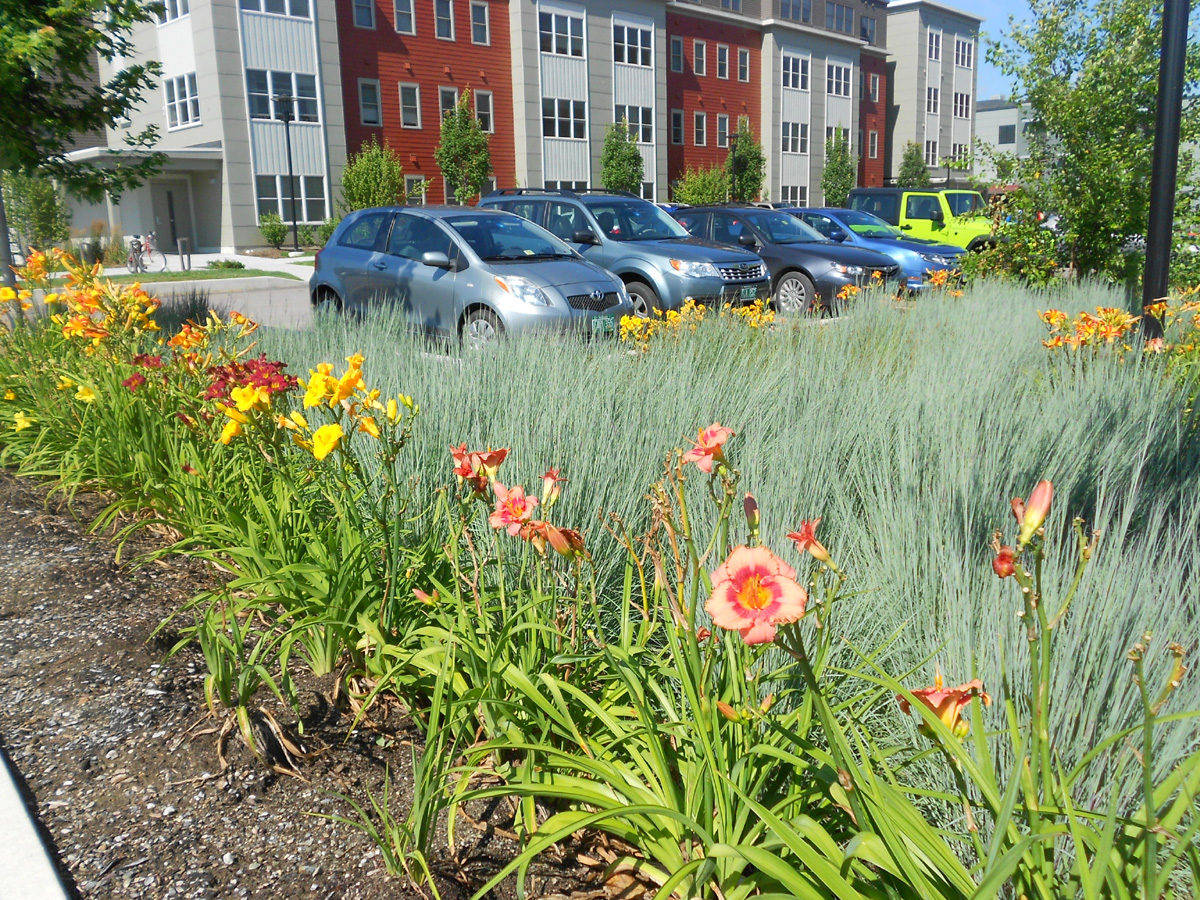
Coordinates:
[481,328]
[794,294]
[644,299]
[326,302]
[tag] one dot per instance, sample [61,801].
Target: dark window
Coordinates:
[565,219]
[797,10]
[443,17]
[480,28]
[1008,134]
[866,29]
[306,98]
[404,16]
[259,94]
[412,237]
[364,233]
[921,206]
[364,13]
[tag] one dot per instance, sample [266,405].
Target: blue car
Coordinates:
[917,257]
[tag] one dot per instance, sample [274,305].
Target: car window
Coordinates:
[693,222]
[965,203]
[412,237]
[564,219]
[786,228]
[635,220]
[921,206]
[507,238]
[823,224]
[526,209]
[886,206]
[869,226]
[364,233]
[727,228]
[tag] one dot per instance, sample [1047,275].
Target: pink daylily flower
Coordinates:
[707,449]
[513,508]
[753,591]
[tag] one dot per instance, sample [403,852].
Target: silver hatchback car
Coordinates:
[465,273]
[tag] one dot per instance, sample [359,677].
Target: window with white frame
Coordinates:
[935,45]
[632,45]
[265,90]
[699,58]
[795,137]
[873,144]
[722,131]
[732,5]
[640,119]
[447,100]
[796,10]
[297,9]
[183,102]
[414,190]
[931,153]
[410,105]
[676,54]
[743,64]
[302,201]
[406,22]
[364,13]
[564,118]
[368,102]
[794,194]
[722,61]
[561,34]
[874,88]
[677,126]
[932,100]
[795,72]
[960,152]
[839,17]
[481,24]
[837,80]
[483,111]
[964,53]
[443,19]
[565,185]
[962,105]
[174,9]
[648,190]
[700,130]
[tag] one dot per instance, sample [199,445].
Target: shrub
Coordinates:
[702,186]
[325,230]
[226,264]
[746,164]
[621,165]
[372,177]
[36,210]
[116,251]
[304,235]
[274,230]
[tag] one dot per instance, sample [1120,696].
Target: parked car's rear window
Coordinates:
[886,206]
[784,228]
[364,233]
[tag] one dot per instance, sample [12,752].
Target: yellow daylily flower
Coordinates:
[393,411]
[10,395]
[367,425]
[231,430]
[22,421]
[325,439]
[299,419]
[85,393]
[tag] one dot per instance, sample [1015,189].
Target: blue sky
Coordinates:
[996,13]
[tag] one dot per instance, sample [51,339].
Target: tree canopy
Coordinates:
[621,166]
[372,177]
[746,165]
[913,171]
[463,154]
[839,176]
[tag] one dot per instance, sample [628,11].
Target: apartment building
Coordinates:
[227,68]
[1000,127]
[933,77]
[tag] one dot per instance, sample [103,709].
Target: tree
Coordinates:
[36,210]
[621,167]
[840,172]
[1088,71]
[746,165]
[463,154]
[700,187]
[913,171]
[48,55]
[372,177]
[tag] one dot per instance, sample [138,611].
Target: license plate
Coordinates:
[749,293]
[604,324]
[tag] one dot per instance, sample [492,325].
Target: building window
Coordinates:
[364,13]
[305,195]
[960,152]
[797,10]
[866,29]
[565,185]
[481,26]
[564,118]
[483,111]
[447,101]
[732,5]
[405,23]
[443,19]
[262,87]
[932,100]
[722,131]
[701,135]
[837,80]
[931,153]
[368,102]
[743,64]
[794,194]
[297,9]
[410,106]
[677,126]
[935,45]
[873,144]
[962,105]
[839,17]
[1007,135]
[632,46]
[699,58]
[795,137]
[414,190]
[640,119]
[561,34]
[838,134]
[722,61]
[676,54]
[306,98]
[175,9]
[258,91]
[183,103]
[795,72]
[874,88]
[964,53]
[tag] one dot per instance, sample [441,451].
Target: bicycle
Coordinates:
[136,263]
[149,244]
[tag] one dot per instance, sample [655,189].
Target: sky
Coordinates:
[995,13]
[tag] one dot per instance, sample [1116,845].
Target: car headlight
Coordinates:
[523,289]
[848,270]
[938,260]
[695,269]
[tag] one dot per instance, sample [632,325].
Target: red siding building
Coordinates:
[872,118]
[404,62]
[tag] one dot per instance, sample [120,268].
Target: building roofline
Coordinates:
[185,154]
[897,5]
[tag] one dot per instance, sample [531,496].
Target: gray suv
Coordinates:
[468,273]
[661,265]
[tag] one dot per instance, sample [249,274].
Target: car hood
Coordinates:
[837,253]
[692,250]
[916,245]
[557,273]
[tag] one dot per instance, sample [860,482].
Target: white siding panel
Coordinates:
[839,111]
[649,162]
[633,85]
[793,169]
[270,150]
[277,42]
[567,160]
[175,47]
[564,77]
[795,105]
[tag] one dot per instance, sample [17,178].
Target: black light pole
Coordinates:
[733,139]
[1166,160]
[285,101]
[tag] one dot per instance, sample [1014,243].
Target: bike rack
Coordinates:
[183,246]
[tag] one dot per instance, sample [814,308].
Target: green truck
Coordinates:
[958,217]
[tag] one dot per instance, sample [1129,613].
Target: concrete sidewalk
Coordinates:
[171,263]
[26,870]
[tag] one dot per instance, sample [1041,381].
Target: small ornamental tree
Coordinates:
[840,169]
[36,210]
[746,165]
[700,187]
[913,171]
[621,167]
[463,154]
[372,177]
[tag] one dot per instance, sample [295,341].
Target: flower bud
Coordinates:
[750,505]
[1004,563]
[1037,507]
[550,487]
[728,711]
[1018,509]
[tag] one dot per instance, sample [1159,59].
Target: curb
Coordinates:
[26,870]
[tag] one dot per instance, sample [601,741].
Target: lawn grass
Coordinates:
[172,275]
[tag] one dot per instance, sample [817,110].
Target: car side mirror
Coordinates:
[746,239]
[436,258]
[838,235]
[937,216]
[584,236]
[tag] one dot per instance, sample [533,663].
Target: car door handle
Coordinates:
[906,228]
[379,265]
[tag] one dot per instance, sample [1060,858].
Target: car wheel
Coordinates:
[643,297]
[794,294]
[481,328]
[327,302]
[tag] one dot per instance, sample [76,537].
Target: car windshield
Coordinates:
[635,220]
[784,228]
[966,203]
[507,237]
[866,225]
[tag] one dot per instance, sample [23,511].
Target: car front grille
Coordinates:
[742,272]
[884,271]
[592,302]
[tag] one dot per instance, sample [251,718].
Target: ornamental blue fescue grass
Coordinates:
[908,432]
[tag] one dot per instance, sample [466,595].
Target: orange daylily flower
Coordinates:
[513,508]
[806,539]
[753,591]
[707,449]
[948,703]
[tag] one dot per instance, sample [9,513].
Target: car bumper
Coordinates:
[554,319]
[714,291]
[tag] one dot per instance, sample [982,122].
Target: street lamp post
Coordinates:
[285,103]
[733,139]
